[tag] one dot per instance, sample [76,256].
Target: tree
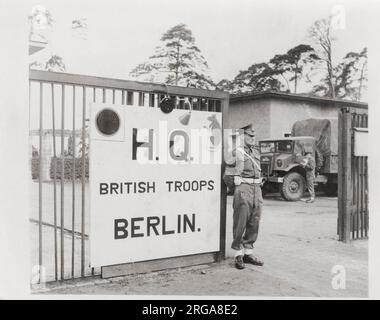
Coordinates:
[84,143]
[290,66]
[258,77]
[320,34]
[350,77]
[225,85]
[177,61]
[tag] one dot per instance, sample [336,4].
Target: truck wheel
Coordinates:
[293,186]
[330,189]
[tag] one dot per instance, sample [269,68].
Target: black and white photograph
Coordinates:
[189,149]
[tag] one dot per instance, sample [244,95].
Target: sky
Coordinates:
[232,34]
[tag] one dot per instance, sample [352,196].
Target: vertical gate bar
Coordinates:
[73,193]
[128,98]
[357,214]
[83,179]
[62,183]
[123,96]
[54,185]
[217,105]
[362,197]
[362,194]
[347,172]
[340,175]
[223,188]
[358,173]
[366,197]
[94,95]
[104,95]
[209,105]
[366,186]
[113,96]
[194,101]
[40,187]
[361,187]
[151,99]
[355,183]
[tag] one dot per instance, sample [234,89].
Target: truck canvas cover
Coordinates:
[325,133]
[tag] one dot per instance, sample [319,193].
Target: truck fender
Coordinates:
[292,166]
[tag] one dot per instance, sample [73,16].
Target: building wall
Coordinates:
[284,113]
[255,111]
[272,117]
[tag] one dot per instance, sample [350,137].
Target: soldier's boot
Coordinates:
[239,263]
[250,258]
[311,200]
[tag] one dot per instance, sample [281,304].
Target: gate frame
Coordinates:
[346,208]
[126,86]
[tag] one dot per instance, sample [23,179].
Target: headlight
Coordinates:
[279,163]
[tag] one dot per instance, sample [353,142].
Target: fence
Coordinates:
[59,109]
[352,178]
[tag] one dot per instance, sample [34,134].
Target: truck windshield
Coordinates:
[266,147]
[284,146]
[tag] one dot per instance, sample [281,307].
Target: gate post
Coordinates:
[344,175]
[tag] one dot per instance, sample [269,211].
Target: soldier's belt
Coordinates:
[252,180]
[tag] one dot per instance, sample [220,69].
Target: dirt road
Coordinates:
[297,242]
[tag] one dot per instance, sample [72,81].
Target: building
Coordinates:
[274,113]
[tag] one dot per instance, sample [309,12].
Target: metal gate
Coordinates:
[58,124]
[352,175]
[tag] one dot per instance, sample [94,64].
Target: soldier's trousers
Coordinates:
[247,205]
[310,178]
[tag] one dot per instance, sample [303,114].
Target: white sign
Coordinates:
[154,183]
[360,142]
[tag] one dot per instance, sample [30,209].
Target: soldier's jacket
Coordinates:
[310,166]
[238,163]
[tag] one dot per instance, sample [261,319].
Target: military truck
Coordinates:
[281,158]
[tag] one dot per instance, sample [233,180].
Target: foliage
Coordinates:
[350,77]
[258,77]
[177,61]
[290,66]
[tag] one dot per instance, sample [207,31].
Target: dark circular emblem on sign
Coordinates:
[108,122]
[167,105]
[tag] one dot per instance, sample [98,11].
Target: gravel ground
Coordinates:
[297,242]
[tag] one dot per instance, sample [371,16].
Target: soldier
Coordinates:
[248,201]
[309,164]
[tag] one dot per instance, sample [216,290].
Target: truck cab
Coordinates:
[280,165]
[279,156]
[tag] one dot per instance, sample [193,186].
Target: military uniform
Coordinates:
[247,202]
[310,175]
